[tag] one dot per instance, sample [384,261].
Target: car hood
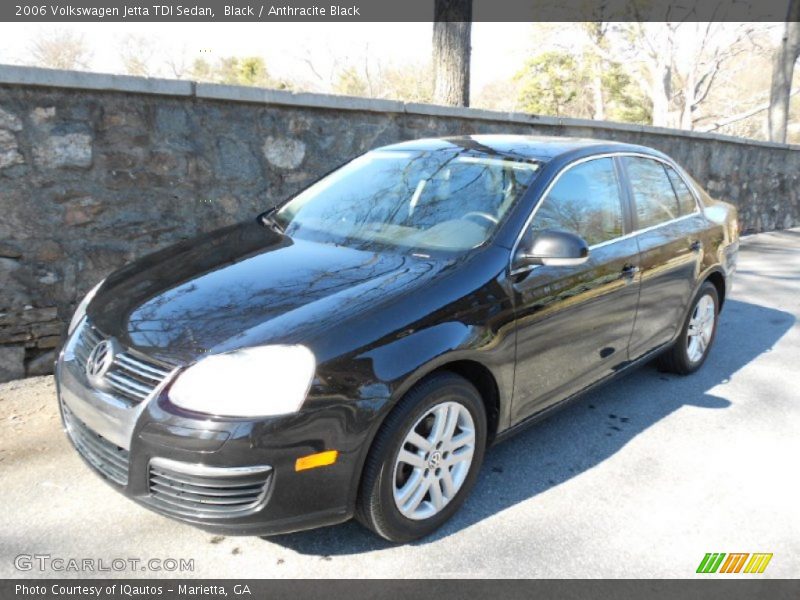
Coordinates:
[243,286]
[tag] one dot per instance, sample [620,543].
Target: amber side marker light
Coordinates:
[312,461]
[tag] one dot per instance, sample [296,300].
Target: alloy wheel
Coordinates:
[434,460]
[701,328]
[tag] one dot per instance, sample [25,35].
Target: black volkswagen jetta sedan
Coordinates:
[355,350]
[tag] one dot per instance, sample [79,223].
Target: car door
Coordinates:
[574,322]
[670,231]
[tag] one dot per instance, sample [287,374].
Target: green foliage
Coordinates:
[250,71]
[625,100]
[563,84]
[201,70]
[233,70]
[549,84]
[349,82]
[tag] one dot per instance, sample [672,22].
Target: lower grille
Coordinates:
[108,458]
[192,490]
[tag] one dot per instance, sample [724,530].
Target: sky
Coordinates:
[498,49]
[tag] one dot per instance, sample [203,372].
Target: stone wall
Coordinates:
[96,170]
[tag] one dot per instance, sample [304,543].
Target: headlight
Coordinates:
[80,311]
[255,382]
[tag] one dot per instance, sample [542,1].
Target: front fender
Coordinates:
[395,361]
[406,360]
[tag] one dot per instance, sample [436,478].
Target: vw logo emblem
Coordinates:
[99,362]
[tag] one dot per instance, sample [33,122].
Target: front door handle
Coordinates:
[630,270]
[696,246]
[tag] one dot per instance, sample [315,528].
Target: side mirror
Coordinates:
[555,249]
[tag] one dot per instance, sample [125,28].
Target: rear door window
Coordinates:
[653,193]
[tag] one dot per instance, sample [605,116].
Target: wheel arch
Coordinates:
[484,381]
[474,371]
[717,278]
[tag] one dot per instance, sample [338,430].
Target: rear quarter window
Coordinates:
[686,200]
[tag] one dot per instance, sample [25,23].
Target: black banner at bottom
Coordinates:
[440,589]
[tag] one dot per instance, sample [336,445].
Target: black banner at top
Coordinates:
[387,10]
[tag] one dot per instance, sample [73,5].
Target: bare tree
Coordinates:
[452,30]
[61,49]
[411,82]
[710,47]
[678,63]
[782,72]
[322,67]
[136,53]
[178,64]
[742,115]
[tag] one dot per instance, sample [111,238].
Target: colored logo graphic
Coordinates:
[719,562]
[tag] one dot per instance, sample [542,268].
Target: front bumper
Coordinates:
[231,476]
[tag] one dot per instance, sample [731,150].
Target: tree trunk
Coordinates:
[597,89]
[452,29]
[782,72]
[688,100]
[661,92]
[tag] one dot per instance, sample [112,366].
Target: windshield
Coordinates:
[439,200]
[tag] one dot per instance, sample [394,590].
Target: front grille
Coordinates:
[131,377]
[189,490]
[108,458]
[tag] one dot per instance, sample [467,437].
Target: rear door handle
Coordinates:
[696,246]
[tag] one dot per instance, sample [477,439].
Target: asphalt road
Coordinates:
[639,479]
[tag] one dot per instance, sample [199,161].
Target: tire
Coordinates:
[682,357]
[388,483]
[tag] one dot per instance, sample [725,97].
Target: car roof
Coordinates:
[531,147]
